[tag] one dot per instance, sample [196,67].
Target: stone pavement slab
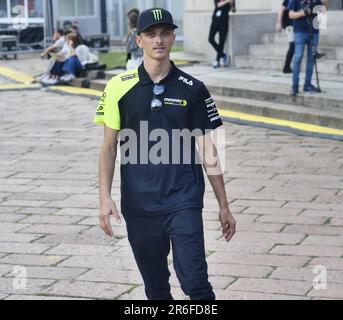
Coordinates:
[40,297]
[246,295]
[33,286]
[32,260]
[272,286]
[54,273]
[87,289]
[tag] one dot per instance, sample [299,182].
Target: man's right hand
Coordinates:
[107,209]
[278,27]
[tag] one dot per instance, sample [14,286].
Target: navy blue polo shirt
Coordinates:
[149,187]
[301,25]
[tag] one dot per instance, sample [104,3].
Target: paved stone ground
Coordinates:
[5,81]
[286,192]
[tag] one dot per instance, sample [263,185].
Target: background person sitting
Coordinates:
[75,29]
[59,56]
[79,56]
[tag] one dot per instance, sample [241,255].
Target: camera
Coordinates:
[306,6]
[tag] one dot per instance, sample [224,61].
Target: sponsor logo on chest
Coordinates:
[175,102]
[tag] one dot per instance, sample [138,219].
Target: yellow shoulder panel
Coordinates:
[108,112]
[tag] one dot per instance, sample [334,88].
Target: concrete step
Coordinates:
[288,112]
[326,39]
[98,84]
[317,101]
[311,109]
[280,50]
[277,63]
[269,93]
[112,73]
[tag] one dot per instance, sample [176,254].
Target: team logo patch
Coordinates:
[129,77]
[157,14]
[175,102]
[212,111]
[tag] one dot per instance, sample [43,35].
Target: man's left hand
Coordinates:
[228,223]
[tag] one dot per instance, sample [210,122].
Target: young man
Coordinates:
[301,11]
[161,201]
[220,24]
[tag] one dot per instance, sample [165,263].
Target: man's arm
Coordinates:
[107,160]
[294,15]
[279,19]
[222,3]
[48,50]
[209,155]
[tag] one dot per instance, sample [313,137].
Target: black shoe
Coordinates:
[319,55]
[287,70]
[311,88]
[294,91]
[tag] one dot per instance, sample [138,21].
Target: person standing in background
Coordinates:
[305,35]
[220,24]
[134,51]
[284,22]
[128,14]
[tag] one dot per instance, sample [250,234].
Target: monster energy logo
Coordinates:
[157,14]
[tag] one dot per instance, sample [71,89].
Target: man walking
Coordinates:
[301,11]
[161,201]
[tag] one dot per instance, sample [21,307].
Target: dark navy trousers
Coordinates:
[151,237]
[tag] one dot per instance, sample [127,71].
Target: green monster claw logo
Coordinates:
[157,14]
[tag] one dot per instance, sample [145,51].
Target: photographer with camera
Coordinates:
[301,11]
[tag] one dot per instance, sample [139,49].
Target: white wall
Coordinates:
[242,5]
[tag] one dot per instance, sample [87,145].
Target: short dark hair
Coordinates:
[133,11]
[75,38]
[66,32]
[75,27]
[133,19]
[60,31]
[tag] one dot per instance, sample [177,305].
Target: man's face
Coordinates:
[157,42]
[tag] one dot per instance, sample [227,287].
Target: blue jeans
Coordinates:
[302,40]
[72,66]
[150,238]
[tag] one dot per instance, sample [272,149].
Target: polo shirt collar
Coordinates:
[144,77]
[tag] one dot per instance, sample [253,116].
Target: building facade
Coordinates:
[252,20]
[93,17]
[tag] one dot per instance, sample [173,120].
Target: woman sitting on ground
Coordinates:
[79,56]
